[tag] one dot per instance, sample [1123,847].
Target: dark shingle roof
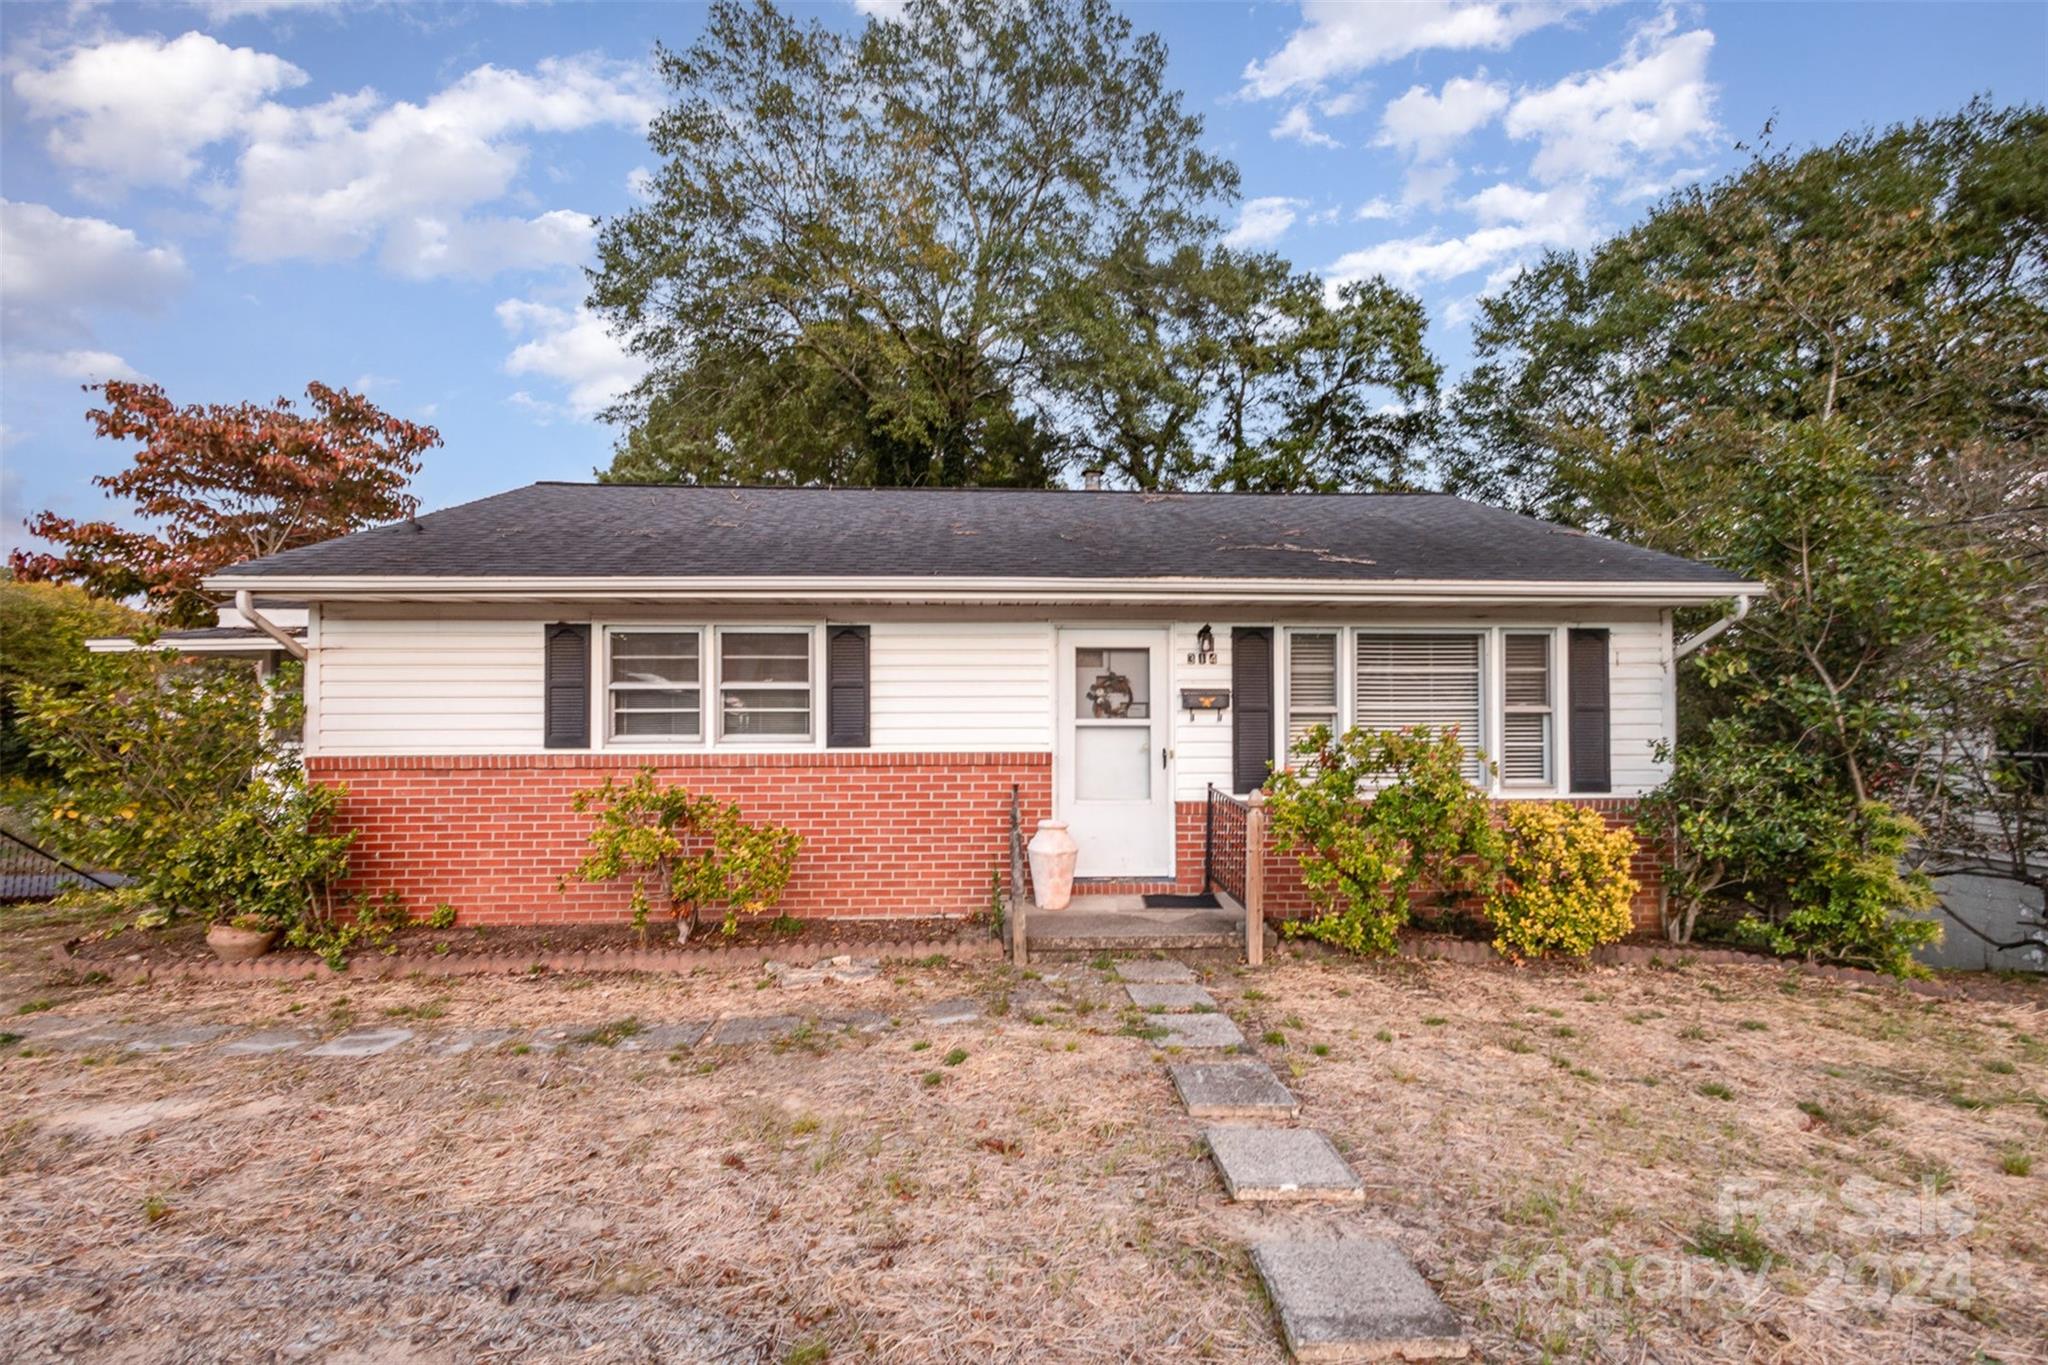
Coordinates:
[673,530]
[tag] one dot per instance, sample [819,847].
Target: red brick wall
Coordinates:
[884,834]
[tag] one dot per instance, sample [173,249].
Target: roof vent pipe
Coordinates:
[1091,480]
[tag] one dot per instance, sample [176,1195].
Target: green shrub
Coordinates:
[1369,816]
[696,850]
[1565,885]
[1857,902]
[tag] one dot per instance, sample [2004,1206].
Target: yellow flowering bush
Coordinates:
[1565,886]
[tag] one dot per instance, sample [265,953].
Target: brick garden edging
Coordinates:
[374,966]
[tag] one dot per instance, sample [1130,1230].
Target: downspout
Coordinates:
[1691,642]
[245,603]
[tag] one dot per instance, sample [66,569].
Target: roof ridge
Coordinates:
[974,488]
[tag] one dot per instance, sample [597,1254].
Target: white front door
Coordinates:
[1111,781]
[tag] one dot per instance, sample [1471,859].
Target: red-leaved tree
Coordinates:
[221,483]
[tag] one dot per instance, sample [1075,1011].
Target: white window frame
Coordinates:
[812,730]
[1552,686]
[614,740]
[1284,711]
[1489,654]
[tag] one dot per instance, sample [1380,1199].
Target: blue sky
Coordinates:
[237,196]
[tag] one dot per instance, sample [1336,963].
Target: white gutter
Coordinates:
[245,603]
[971,591]
[1693,642]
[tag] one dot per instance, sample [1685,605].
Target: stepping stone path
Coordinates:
[847,969]
[267,1042]
[960,1011]
[741,1030]
[667,1037]
[1172,998]
[1156,970]
[1199,1030]
[177,1039]
[372,1042]
[1339,1298]
[460,1044]
[1269,1165]
[1355,1299]
[1233,1090]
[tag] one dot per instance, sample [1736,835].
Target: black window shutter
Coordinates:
[1592,747]
[1251,706]
[566,715]
[846,687]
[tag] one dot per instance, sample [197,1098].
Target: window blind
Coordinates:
[1525,743]
[1427,680]
[1311,684]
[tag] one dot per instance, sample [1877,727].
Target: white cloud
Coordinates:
[1426,186]
[348,175]
[1652,104]
[426,247]
[640,184]
[224,11]
[56,272]
[1299,126]
[82,365]
[1261,222]
[137,111]
[330,181]
[1426,126]
[1374,208]
[1341,104]
[1516,224]
[886,10]
[1340,37]
[572,347]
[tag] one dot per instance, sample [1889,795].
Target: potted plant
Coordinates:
[241,938]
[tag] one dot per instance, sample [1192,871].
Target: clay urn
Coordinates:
[238,943]
[1053,851]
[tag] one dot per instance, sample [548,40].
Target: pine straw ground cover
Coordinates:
[1043,1199]
[1714,1163]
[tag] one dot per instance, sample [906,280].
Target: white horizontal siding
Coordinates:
[418,686]
[1200,740]
[960,686]
[1639,684]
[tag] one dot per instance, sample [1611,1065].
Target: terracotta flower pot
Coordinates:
[1053,851]
[230,944]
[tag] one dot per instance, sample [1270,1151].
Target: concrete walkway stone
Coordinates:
[1355,1299]
[1199,1030]
[370,1042]
[1174,999]
[1158,969]
[476,1040]
[1245,1089]
[943,1012]
[264,1043]
[744,1029]
[176,1039]
[667,1037]
[1272,1165]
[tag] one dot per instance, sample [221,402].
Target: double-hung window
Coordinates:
[654,686]
[1527,710]
[764,684]
[1311,684]
[1433,680]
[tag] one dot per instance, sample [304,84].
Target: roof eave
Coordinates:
[982,591]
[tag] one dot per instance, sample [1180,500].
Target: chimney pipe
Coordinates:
[1091,480]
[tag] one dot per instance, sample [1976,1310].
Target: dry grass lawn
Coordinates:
[1547,1145]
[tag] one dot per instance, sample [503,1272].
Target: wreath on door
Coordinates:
[1111,696]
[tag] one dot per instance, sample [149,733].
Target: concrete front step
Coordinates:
[1355,1299]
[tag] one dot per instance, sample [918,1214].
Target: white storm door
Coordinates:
[1111,781]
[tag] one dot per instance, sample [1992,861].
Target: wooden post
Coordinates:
[1255,880]
[1020,951]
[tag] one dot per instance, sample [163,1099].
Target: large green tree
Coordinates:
[1826,371]
[974,243]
